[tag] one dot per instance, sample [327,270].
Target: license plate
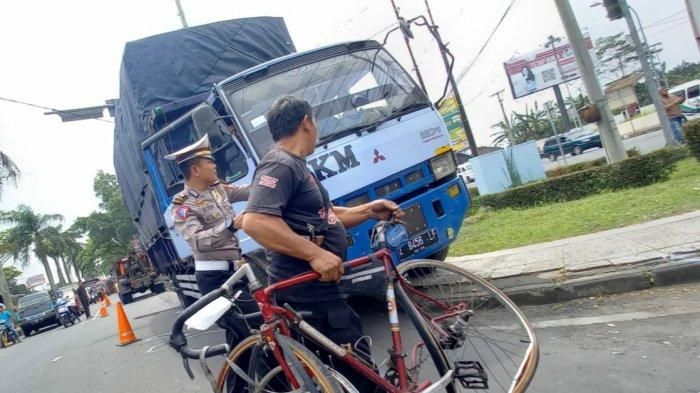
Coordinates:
[418,243]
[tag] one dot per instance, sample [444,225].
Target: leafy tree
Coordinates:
[684,72]
[618,57]
[30,232]
[109,230]
[11,273]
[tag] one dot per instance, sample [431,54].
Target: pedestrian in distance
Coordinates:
[672,103]
[83,297]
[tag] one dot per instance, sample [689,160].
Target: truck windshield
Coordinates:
[230,161]
[346,92]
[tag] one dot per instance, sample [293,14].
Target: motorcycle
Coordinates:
[66,315]
[7,335]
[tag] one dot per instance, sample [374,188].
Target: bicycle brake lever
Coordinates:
[186,365]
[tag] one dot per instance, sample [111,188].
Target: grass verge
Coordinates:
[496,230]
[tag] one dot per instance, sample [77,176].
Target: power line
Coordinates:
[664,18]
[488,40]
[45,107]
[676,20]
[666,29]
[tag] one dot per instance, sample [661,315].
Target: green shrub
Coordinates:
[691,133]
[580,166]
[634,172]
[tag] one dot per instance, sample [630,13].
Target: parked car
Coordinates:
[574,143]
[465,171]
[35,311]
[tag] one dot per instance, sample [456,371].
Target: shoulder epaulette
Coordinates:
[180,198]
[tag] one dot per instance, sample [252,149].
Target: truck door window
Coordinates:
[230,160]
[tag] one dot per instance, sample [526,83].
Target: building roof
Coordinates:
[628,81]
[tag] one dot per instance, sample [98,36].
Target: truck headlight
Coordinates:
[443,165]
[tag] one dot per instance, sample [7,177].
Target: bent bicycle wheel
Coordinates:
[263,372]
[485,338]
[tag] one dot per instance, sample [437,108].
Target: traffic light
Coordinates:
[614,9]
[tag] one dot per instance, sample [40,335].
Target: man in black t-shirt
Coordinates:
[288,213]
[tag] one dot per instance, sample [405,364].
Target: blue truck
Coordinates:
[380,136]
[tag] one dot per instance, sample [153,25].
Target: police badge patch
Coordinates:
[181,212]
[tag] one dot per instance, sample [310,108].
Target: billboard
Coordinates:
[543,68]
[450,113]
[35,281]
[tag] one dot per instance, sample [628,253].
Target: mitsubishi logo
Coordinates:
[378,157]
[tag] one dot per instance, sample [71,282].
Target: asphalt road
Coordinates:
[647,341]
[645,143]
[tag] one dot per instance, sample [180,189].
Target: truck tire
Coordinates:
[440,255]
[26,331]
[125,298]
[158,288]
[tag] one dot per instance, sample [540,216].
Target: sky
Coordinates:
[66,54]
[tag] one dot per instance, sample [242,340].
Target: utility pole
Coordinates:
[557,91]
[694,15]
[548,106]
[181,14]
[433,28]
[614,150]
[410,51]
[509,131]
[649,77]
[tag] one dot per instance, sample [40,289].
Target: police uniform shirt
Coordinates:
[201,218]
[284,187]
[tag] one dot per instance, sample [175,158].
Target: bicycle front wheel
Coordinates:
[264,372]
[483,335]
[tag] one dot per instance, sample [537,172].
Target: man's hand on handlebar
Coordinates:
[328,265]
[381,209]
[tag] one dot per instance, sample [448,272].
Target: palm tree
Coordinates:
[70,251]
[54,250]
[8,171]
[29,233]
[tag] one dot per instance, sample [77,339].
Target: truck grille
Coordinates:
[358,200]
[414,219]
[388,188]
[414,176]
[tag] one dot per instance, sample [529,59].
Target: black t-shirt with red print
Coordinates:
[283,186]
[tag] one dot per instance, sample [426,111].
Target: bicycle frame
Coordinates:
[276,316]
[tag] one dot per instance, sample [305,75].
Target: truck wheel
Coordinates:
[126,298]
[27,332]
[158,288]
[577,151]
[441,255]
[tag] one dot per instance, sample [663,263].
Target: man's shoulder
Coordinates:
[180,198]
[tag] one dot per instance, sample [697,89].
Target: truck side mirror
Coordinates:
[205,121]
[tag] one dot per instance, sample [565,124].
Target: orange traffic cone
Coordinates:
[125,333]
[107,301]
[103,311]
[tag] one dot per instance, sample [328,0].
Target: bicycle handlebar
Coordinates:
[178,340]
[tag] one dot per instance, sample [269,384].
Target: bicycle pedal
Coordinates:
[471,375]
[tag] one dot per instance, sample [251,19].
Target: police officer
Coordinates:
[203,216]
[288,212]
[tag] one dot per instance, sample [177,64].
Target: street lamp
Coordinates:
[448,59]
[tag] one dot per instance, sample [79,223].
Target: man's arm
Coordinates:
[274,234]
[236,193]
[189,227]
[378,210]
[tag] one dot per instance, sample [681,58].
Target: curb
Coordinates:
[534,289]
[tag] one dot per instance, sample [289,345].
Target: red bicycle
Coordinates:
[463,334]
